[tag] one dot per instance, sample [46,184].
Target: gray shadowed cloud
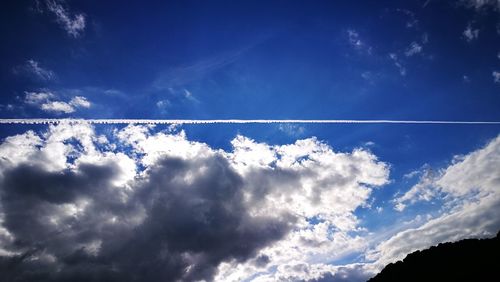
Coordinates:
[63,225]
[75,207]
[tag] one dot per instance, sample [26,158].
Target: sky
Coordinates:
[244,202]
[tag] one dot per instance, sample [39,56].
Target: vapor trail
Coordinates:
[233,121]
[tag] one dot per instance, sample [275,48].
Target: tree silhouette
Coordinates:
[465,260]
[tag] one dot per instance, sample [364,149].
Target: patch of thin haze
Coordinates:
[233,121]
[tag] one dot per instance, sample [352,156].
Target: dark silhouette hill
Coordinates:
[465,260]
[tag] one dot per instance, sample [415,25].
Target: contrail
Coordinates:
[233,121]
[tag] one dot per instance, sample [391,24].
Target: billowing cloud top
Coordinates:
[153,207]
[140,204]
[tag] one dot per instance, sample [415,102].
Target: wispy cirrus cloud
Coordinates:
[397,62]
[482,4]
[176,77]
[411,19]
[357,43]
[413,49]
[33,69]
[74,25]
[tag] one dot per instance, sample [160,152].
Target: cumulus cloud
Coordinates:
[36,98]
[470,33]
[49,102]
[469,190]
[141,204]
[74,25]
[57,107]
[469,176]
[496,76]
[33,69]
[79,101]
[155,206]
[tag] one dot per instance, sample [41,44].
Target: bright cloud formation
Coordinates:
[73,25]
[187,211]
[166,195]
[471,200]
[49,102]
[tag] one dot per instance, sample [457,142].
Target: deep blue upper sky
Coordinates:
[259,59]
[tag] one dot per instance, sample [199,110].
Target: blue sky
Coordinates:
[411,60]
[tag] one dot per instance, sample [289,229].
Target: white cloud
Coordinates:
[411,21]
[473,173]
[49,102]
[307,184]
[292,129]
[395,59]
[470,33]
[74,25]
[354,38]
[36,98]
[57,107]
[369,144]
[469,176]
[326,185]
[32,68]
[424,190]
[469,189]
[189,96]
[163,104]
[413,49]
[496,76]
[482,4]
[297,181]
[356,42]
[474,219]
[80,101]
